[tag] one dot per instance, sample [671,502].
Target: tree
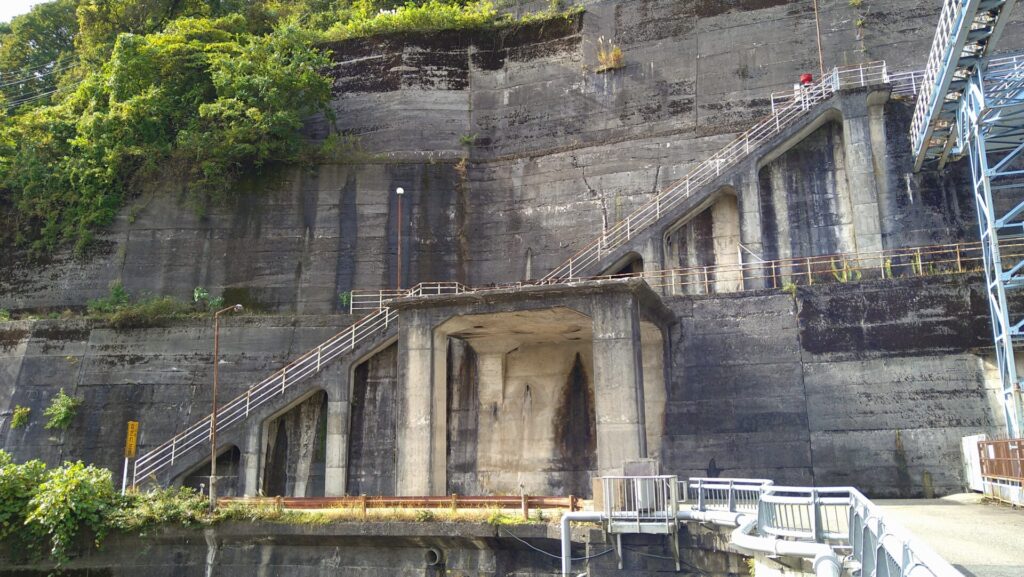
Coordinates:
[36,49]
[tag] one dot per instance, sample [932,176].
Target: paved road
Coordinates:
[980,539]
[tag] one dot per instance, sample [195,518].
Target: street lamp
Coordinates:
[213,414]
[399,191]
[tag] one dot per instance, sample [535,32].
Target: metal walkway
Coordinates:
[838,527]
[965,39]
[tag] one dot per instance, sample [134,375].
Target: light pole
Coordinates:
[213,414]
[399,191]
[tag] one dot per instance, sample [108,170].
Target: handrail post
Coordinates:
[816,530]
[248,396]
[732,497]
[284,379]
[700,494]
[174,446]
[319,350]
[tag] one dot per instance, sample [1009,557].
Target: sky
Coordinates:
[11,8]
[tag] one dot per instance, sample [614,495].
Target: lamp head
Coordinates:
[238,308]
[399,190]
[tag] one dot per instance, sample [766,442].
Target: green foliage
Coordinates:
[154,311]
[424,515]
[201,91]
[19,418]
[72,497]
[845,273]
[142,511]
[118,309]
[213,89]
[262,94]
[18,483]
[856,3]
[789,287]
[37,50]
[368,18]
[5,315]
[202,300]
[345,300]
[498,517]
[62,410]
[467,139]
[887,268]
[114,301]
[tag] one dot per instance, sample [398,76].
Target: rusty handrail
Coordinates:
[523,503]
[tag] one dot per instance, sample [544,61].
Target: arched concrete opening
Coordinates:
[704,248]
[229,460]
[630,263]
[370,468]
[506,392]
[520,402]
[294,449]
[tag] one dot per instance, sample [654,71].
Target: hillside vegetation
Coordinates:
[99,96]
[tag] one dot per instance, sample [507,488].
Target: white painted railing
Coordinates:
[277,384]
[782,117]
[640,502]
[946,33]
[724,494]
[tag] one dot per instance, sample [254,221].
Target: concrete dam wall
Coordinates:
[514,153]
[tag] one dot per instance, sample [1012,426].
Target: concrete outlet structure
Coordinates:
[567,381]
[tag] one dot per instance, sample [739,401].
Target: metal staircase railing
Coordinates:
[966,36]
[277,384]
[781,118]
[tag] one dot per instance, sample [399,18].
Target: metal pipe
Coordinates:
[567,535]
[825,561]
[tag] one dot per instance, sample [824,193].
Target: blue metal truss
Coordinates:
[990,132]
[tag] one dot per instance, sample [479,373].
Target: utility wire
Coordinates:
[682,563]
[552,555]
[31,71]
[36,76]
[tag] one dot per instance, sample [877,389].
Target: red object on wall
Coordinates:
[806,79]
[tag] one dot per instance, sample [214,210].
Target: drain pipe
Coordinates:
[578,516]
[825,561]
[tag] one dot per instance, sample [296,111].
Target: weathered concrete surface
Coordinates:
[560,152]
[160,377]
[981,539]
[381,549]
[560,387]
[869,384]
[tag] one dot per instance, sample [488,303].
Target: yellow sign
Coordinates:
[130,443]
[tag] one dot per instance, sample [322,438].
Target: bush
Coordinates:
[432,15]
[5,315]
[19,418]
[61,411]
[140,511]
[202,300]
[150,312]
[114,301]
[72,497]
[18,483]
